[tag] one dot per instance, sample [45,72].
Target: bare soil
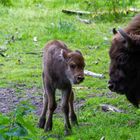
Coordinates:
[10,98]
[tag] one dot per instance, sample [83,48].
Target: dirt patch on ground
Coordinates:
[5,99]
[10,98]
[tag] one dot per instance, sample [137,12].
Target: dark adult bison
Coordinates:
[125,61]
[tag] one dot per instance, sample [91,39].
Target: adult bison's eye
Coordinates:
[122,59]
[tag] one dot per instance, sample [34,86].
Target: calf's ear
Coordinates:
[63,54]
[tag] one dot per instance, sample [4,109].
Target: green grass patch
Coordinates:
[25,27]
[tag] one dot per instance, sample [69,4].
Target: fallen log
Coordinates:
[3,49]
[33,53]
[102,138]
[86,21]
[106,107]
[73,12]
[135,10]
[96,75]
[2,54]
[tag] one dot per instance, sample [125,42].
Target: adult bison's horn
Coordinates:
[127,38]
[114,31]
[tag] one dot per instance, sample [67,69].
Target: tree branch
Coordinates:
[73,12]
[90,73]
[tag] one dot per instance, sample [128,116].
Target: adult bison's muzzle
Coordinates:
[116,87]
[124,68]
[112,86]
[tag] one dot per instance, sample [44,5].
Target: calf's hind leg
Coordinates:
[42,119]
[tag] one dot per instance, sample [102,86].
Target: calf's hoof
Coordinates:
[48,126]
[67,132]
[74,120]
[46,129]
[42,122]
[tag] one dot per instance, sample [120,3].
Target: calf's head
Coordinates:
[75,66]
[125,65]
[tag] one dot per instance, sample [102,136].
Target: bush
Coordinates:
[6,2]
[17,125]
[20,3]
[111,7]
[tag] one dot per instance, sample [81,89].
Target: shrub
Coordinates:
[111,7]
[6,2]
[17,124]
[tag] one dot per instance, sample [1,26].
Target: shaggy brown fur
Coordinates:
[134,26]
[125,61]
[61,68]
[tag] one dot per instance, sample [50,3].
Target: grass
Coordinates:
[20,69]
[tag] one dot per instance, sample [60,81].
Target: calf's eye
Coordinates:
[72,66]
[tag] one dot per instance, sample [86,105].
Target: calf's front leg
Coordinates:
[65,109]
[72,113]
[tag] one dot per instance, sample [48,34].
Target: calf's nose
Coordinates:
[80,78]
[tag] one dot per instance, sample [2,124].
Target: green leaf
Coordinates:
[4,119]
[2,127]
[2,138]
[27,125]
[19,131]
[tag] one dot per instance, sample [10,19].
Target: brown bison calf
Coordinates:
[61,68]
[125,61]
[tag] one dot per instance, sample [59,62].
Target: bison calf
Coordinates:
[125,61]
[61,68]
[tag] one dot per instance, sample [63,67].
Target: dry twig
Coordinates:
[90,73]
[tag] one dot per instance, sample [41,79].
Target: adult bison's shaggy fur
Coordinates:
[125,61]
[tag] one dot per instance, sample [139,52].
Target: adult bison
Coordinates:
[125,61]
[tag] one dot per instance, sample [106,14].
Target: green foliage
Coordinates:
[26,3]
[112,8]
[20,3]
[117,5]
[25,27]
[16,126]
[110,5]
[6,2]
[66,26]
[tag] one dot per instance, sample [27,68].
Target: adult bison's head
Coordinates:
[125,65]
